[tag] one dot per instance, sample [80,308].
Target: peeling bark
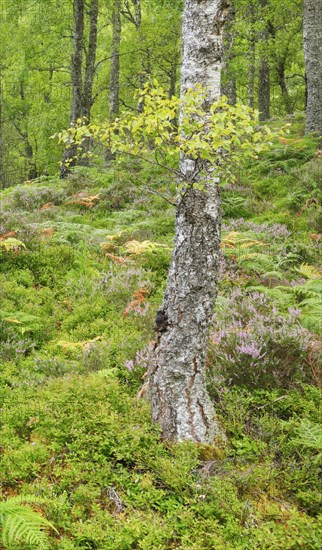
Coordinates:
[177,379]
[312,41]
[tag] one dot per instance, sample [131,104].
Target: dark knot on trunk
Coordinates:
[161,321]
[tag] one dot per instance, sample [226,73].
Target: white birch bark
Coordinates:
[177,380]
[312,41]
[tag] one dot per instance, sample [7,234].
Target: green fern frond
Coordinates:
[12,244]
[257,262]
[311,313]
[20,523]
[137,247]
[309,435]
[309,271]
[272,274]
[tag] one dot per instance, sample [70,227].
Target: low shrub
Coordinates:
[252,344]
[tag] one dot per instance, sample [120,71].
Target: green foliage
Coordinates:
[231,130]
[12,245]
[309,435]
[72,427]
[21,524]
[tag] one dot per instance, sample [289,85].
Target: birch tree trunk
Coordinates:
[177,379]
[76,75]
[2,182]
[115,61]
[115,68]
[90,61]
[228,80]
[312,41]
[90,72]
[263,74]
[252,59]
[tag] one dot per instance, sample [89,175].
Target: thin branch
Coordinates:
[177,173]
[154,191]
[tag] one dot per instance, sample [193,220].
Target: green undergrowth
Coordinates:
[83,265]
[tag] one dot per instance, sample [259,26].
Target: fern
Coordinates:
[72,346]
[236,240]
[309,271]
[311,310]
[12,245]
[257,262]
[309,435]
[21,524]
[137,248]
[25,322]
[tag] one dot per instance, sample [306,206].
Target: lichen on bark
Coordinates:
[177,378]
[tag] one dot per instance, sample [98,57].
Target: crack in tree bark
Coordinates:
[177,378]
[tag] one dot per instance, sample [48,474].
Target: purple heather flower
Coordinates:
[129,365]
[250,349]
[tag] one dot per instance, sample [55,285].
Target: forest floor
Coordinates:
[83,265]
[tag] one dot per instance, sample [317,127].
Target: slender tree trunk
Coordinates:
[138,25]
[2,182]
[263,74]
[135,17]
[312,41]
[173,79]
[282,83]
[177,379]
[252,60]
[115,61]
[228,80]
[32,171]
[115,67]
[90,61]
[89,72]
[69,155]
[30,162]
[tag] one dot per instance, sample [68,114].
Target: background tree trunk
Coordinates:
[312,41]
[115,61]
[252,59]
[177,379]
[228,80]
[90,61]
[263,74]
[280,68]
[2,179]
[115,67]
[132,10]
[90,71]
[76,75]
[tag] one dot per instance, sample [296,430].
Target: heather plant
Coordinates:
[32,197]
[252,344]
